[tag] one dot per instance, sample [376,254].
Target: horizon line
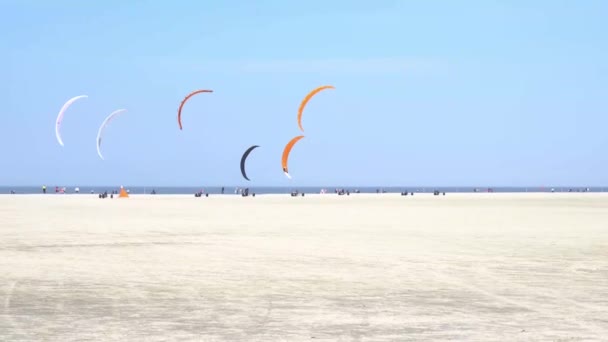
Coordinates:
[316,186]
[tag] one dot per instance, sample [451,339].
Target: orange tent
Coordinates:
[123,193]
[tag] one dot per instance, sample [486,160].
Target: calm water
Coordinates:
[285,190]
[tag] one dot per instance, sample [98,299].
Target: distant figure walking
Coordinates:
[44,189]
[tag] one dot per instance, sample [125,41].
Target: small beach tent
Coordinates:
[123,193]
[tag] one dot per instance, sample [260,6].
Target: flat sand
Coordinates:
[464,267]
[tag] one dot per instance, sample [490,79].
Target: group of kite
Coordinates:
[293,141]
[106,121]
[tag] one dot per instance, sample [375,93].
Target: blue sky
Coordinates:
[427,92]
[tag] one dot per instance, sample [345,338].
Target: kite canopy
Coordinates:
[305,101]
[244,158]
[103,126]
[59,119]
[286,153]
[179,111]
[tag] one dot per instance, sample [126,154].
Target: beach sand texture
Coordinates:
[464,267]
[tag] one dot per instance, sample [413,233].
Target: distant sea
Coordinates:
[164,190]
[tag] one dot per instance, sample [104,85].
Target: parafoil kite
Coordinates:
[286,153]
[305,101]
[179,111]
[244,158]
[59,119]
[103,126]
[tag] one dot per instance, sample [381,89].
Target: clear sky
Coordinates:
[427,92]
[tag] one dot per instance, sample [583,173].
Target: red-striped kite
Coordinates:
[179,111]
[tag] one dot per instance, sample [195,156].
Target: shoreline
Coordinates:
[230,190]
[333,195]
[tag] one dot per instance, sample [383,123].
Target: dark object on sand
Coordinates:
[296,193]
[200,194]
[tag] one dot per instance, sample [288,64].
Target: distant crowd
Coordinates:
[339,191]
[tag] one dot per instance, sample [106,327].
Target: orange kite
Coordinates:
[286,153]
[305,101]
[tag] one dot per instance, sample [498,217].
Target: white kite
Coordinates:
[103,126]
[60,116]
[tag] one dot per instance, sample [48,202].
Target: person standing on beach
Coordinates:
[44,189]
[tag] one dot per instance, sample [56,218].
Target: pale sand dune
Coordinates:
[464,267]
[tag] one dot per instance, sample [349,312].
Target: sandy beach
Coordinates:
[461,267]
